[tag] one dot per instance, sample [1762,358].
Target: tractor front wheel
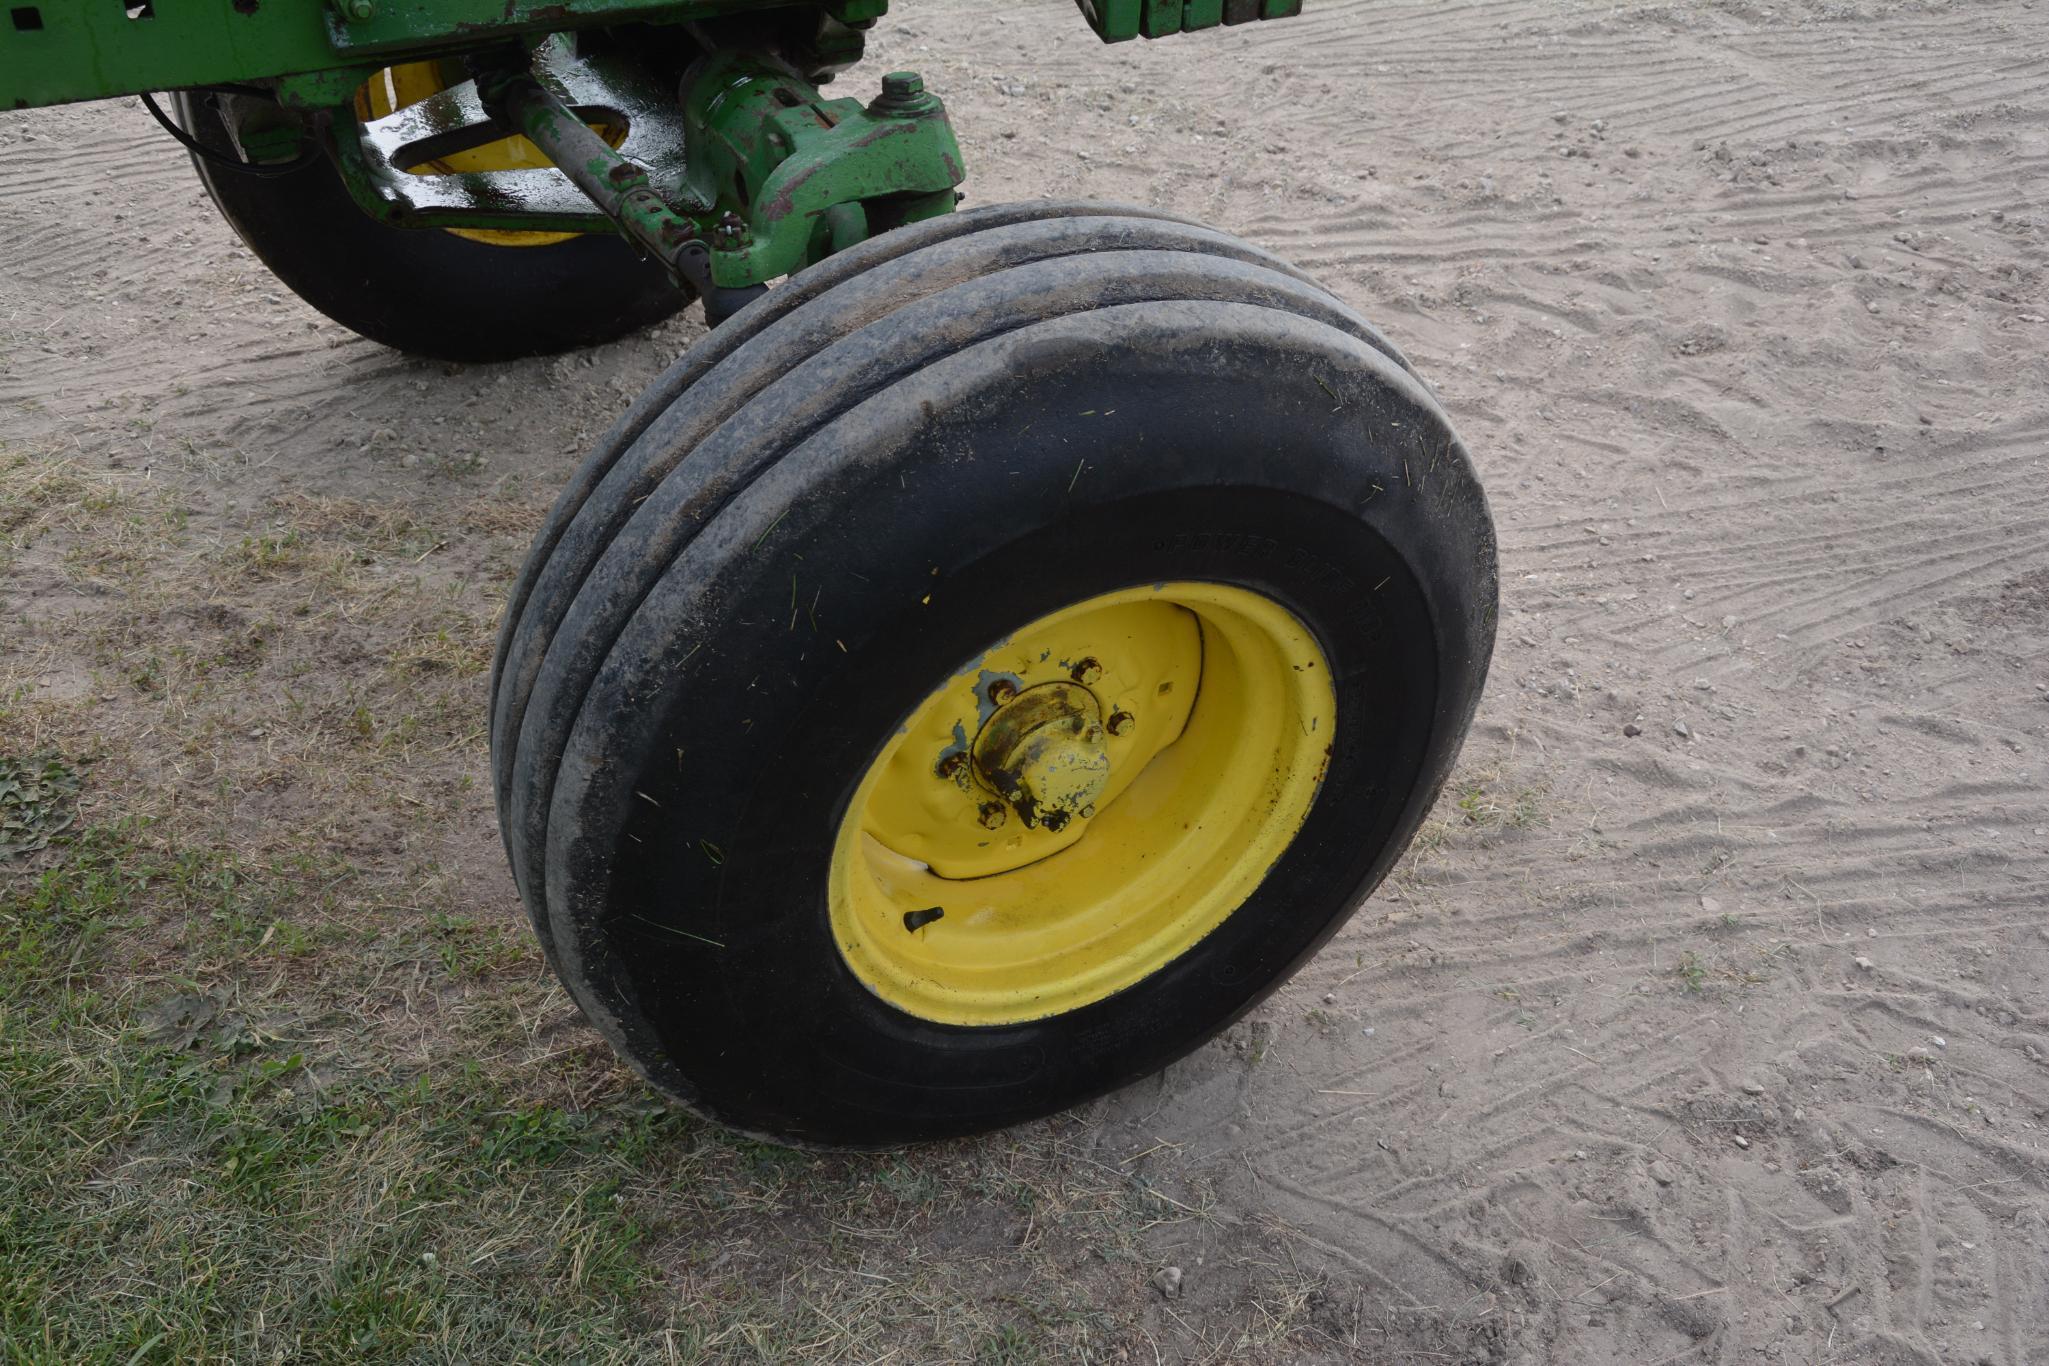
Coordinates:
[1007,663]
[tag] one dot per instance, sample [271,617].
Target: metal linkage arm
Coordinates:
[618,186]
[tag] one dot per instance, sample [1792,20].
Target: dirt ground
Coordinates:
[1706,1022]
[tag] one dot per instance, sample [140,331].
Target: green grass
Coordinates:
[215,1200]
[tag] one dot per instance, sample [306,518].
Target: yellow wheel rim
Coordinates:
[398,87]
[1083,804]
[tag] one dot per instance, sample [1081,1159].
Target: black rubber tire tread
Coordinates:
[603,637]
[728,443]
[660,395]
[729,336]
[866,295]
[423,291]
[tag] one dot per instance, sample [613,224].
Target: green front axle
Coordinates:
[695,128]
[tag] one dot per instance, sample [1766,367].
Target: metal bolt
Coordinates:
[952,764]
[730,230]
[902,85]
[359,10]
[993,815]
[1086,671]
[1001,691]
[1119,722]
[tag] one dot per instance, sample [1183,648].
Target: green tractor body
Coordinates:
[748,160]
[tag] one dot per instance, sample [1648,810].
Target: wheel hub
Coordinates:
[1044,753]
[1017,756]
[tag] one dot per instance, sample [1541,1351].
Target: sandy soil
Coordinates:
[1707,1020]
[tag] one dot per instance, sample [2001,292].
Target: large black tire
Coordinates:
[424,291]
[1106,396]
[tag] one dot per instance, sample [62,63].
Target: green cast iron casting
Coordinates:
[762,172]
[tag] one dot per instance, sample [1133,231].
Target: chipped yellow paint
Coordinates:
[1227,713]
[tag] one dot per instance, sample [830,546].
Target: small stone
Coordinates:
[1679,728]
[1870,933]
[1168,1282]
[429,1260]
[1741,1141]
[1710,906]
[1579,1154]
[1751,1088]
[1662,1173]
[1938,1041]
[1330,998]
[1863,964]
[1632,730]
[408,461]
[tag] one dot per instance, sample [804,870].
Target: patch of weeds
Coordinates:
[1690,970]
[911,1183]
[470,949]
[1482,807]
[38,802]
[533,1136]
[1008,1345]
[41,495]
[266,557]
[461,655]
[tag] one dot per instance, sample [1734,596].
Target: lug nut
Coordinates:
[902,85]
[1086,671]
[1119,722]
[1001,691]
[952,764]
[993,815]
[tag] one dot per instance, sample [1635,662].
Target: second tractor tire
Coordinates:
[421,290]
